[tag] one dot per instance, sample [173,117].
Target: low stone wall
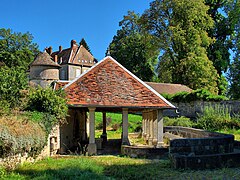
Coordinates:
[191,109]
[144,152]
[199,149]
[205,161]
[199,142]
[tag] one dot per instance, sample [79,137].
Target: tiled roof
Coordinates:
[167,88]
[60,84]
[44,59]
[75,55]
[109,84]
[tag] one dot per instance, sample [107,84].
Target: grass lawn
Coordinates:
[111,167]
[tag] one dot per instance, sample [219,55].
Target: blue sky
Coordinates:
[57,22]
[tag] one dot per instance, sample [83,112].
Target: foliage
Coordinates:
[225,15]
[84,43]
[16,49]
[200,94]
[49,101]
[234,71]
[15,140]
[181,28]
[217,118]
[135,50]
[181,121]
[13,81]
[112,167]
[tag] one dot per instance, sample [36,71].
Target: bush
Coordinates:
[181,121]
[217,118]
[18,135]
[200,94]
[51,103]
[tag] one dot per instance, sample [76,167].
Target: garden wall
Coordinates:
[191,109]
[199,149]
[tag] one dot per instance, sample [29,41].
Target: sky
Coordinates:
[57,22]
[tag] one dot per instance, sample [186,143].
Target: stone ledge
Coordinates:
[144,152]
[205,161]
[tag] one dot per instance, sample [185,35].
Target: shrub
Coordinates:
[200,94]
[217,118]
[51,102]
[18,135]
[181,121]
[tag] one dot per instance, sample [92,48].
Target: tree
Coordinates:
[234,71]
[134,49]
[17,49]
[181,27]
[223,29]
[13,81]
[84,43]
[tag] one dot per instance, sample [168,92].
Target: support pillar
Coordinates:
[147,126]
[160,142]
[144,125]
[150,140]
[92,148]
[155,128]
[104,134]
[125,140]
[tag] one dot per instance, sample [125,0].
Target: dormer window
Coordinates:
[90,61]
[82,61]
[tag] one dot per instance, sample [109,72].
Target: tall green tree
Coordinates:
[134,49]
[234,71]
[84,43]
[181,27]
[222,31]
[13,81]
[17,49]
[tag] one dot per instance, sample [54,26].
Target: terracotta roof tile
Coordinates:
[110,84]
[168,88]
[60,84]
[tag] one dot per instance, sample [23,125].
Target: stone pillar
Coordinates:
[125,140]
[147,126]
[92,148]
[155,129]
[150,140]
[160,128]
[104,121]
[143,124]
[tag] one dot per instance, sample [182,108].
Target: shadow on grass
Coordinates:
[113,167]
[63,173]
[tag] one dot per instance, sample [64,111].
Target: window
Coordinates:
[62,75]
[78,72]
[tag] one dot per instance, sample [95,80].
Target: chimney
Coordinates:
[60,48]
[49,50]
[56,59]
[73,43]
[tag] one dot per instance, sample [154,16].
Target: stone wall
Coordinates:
[144,152]
[199,142]
[198,149]
[191,109]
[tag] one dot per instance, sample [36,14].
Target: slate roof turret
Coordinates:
[44,59]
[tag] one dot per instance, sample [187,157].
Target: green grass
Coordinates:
[111,167]
[114,121]
[235,132]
